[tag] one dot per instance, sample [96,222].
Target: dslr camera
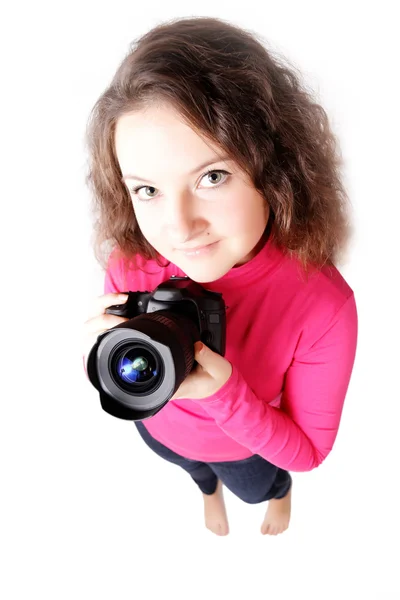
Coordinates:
[138,365]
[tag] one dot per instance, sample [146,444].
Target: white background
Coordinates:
[87,511]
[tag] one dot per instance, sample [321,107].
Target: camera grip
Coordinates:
[123,310]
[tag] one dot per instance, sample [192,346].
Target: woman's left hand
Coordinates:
[212,372]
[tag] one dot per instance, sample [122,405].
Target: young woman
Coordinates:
[209,159]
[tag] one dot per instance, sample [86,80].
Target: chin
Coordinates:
[202,274]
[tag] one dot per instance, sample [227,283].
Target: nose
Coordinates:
[179,218]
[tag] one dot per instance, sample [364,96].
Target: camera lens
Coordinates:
[136,365]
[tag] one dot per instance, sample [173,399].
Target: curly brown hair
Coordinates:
[248,100]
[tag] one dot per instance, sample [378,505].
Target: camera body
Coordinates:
[138,365]
[182,296]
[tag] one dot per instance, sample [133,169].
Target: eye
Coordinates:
[216,177]
[146,197]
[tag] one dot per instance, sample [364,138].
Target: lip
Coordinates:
[198,250]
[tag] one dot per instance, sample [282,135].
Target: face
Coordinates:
[192,203]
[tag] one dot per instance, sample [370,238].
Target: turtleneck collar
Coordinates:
[260,266]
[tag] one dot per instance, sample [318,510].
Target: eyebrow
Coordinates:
[199,168]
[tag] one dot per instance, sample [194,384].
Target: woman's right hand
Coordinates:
[99,321]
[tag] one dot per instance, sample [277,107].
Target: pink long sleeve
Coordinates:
[300,434]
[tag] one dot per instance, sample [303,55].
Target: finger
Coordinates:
[102,323]
[100,303]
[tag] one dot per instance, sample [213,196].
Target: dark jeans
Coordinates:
[253,479]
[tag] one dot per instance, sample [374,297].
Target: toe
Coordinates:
[264,528]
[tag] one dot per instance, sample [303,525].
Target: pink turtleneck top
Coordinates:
[291,341]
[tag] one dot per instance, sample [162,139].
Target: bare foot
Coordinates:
[278,515]
[215,512]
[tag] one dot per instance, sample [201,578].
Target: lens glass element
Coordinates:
[137,365]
